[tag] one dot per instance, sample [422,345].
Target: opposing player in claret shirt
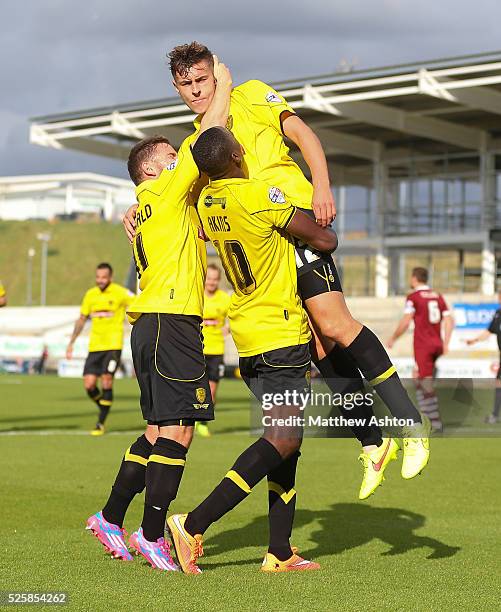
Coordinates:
[433,325]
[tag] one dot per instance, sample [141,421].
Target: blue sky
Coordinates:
[64,55]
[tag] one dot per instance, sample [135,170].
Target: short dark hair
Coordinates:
[212,266]
[139,153]
[213,149]
[104,266]
[183,57]
[420,274]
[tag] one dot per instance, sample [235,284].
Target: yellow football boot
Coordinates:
[188,548]
[375,464]
[295,563]
[416,449]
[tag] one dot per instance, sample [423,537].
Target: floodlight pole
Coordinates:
[44,238]
[29,285]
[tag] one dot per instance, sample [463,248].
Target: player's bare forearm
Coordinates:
[129,222]
[310,146]
[319,238]
[482,336]
[448,328]
[401,328]
[3,301]
[219,109]
[79,325]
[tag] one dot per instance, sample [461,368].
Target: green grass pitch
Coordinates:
[427,544]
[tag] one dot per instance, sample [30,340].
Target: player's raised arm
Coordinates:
[321,239]
[219,109]
[304,137]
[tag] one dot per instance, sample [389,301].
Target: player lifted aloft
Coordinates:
[105,306]
[429,311]
[216,304]
[494,328]
[250,224]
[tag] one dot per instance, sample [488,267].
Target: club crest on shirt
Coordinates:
[271,96]
[276,196]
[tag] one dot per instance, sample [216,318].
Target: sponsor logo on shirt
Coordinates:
[172,165]
[209,201]
[276,196]
[271,96]
[101,314]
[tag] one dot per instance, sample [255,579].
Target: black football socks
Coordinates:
[129,482]
[258,460]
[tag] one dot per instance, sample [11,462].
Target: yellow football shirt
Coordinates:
[244,220]
[106,310]
[215,311]
[2,290]
[169,246]
[255,121]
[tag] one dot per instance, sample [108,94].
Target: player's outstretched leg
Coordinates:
[96,396]
[163,477]
[187,530]
[281,557]
[104,405]
[342,376]
[493,418]
[428,403]
[107,525]
[257,461]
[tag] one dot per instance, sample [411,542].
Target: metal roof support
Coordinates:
[121,125]
[394,119]
[410,123]
[488,274]
[382,261]
[481,98]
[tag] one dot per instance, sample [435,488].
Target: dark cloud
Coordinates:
[62,55]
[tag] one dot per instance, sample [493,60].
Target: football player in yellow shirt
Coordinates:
[250,225]
[216,304]
[260,118]
[166,339]
[105,306]
[3,296]
[343,347]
